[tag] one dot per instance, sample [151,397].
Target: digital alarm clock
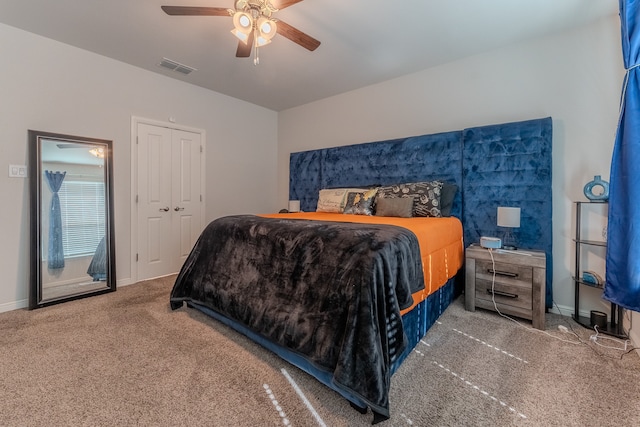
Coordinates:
[490,242]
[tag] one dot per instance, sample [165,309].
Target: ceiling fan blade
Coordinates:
[281,4]
[296,36]
[195,11]
[244,49]
[71,145]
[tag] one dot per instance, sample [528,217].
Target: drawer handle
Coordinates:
[501,294]
[502,273]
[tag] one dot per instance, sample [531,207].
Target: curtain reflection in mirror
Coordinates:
[55,256]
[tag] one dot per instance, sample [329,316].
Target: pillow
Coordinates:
[426,196]
[330,200]
[333,200]
[446,198]
[360,203]
[398,206]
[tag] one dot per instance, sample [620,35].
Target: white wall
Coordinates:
[50,86]
[574,77]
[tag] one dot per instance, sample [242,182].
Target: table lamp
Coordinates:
[509,218]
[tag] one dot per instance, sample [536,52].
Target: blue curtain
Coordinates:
[623,239]
[55,258]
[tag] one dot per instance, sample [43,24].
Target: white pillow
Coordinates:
[333,200]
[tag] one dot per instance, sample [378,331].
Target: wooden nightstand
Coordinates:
[519,287]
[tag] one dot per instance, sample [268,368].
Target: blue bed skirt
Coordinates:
[416,323]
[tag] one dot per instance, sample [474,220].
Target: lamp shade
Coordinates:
[261,41]
[267,27]
[243,37]
[243,22]
[508,217]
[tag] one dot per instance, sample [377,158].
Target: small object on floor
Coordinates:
[599,319]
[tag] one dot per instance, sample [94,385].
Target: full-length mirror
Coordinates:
[72,235]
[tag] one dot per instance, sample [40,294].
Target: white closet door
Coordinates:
[169,219]
[185,193]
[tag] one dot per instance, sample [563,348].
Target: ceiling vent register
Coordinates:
[176,66]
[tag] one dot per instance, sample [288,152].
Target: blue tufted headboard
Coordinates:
[497,165]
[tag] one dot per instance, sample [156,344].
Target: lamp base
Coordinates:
[509,241]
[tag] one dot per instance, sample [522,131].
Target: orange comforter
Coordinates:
[440,239]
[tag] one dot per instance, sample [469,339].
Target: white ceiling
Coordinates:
[363,41]
[68,151]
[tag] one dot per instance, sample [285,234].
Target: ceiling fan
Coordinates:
[95,151]
[70,145]
[253,23]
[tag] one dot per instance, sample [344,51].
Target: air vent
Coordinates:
[176,66]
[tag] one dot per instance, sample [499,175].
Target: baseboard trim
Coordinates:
[124,282]
[635,339]
[568,311]
[24,303]
[15,305]
[563,310]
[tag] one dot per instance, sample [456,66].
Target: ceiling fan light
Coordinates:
[98,152]
[261,41]
[242,21]
[267,27]
[242,36]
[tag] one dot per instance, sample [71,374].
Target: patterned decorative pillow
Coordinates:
[332,200]
[397,206]
[360,203]
[426,196]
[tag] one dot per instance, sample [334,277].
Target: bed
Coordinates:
[98,266]
[346,297]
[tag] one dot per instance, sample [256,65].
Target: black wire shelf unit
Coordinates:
[614,325]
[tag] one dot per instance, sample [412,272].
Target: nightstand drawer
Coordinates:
[512,283]
[513,296]
[509,274]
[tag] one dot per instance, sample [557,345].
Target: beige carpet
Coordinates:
[125,359]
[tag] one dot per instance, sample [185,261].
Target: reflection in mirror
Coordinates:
[72,245]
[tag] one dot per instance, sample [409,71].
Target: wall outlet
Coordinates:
[17,171]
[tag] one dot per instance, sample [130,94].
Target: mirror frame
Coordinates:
[36,299]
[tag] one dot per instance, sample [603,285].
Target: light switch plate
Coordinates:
[17,171]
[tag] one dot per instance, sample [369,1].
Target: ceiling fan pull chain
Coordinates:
[256,58]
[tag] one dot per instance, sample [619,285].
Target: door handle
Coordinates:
[164,210]
[177,209]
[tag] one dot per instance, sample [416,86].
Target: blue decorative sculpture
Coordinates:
[597,182]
